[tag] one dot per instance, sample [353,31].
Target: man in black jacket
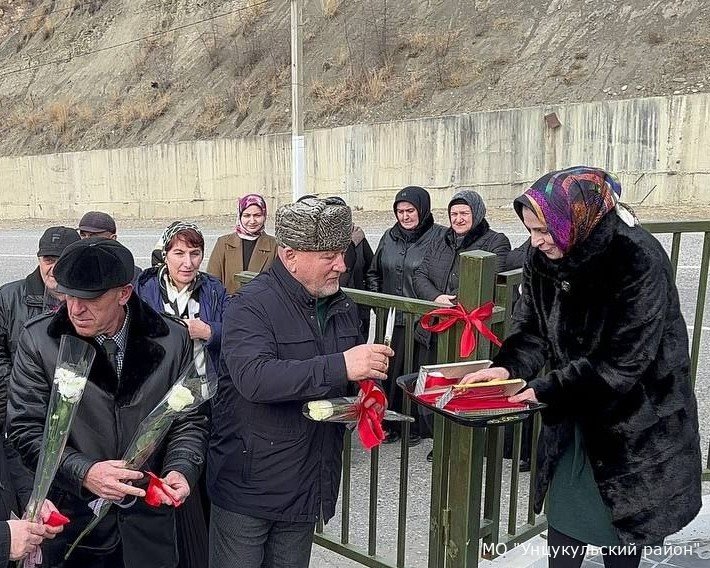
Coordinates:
[24,299]
[139,355]
[289,336]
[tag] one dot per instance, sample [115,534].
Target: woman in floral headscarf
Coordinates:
[619,454]
[247,248]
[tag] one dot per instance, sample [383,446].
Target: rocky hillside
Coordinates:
[85,74]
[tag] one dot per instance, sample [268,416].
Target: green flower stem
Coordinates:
[57,428]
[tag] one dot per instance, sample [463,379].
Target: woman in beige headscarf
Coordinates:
[247,248]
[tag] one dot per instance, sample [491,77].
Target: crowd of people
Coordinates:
[250,474]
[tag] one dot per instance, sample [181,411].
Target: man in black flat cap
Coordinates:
[24,299]
[289,336]
[140,354]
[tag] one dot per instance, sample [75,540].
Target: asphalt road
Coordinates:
[17,258]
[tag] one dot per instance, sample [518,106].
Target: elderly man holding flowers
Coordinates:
[139,356]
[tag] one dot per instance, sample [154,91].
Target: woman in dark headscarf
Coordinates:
[619,454]
[248,248]
[400,251]
[437,277]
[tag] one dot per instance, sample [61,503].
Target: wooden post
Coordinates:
[460,477]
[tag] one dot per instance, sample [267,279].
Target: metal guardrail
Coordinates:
[677,229]
[369,556]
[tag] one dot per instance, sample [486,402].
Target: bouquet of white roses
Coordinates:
[189,392]
[70,376]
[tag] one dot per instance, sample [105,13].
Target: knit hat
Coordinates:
[313,224]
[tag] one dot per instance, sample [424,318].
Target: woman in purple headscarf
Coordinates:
[619,455]
[247,248]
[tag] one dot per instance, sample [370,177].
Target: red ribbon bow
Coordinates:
[152,493]
[370,412]
[475,318]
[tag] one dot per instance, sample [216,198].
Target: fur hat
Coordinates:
[313,224]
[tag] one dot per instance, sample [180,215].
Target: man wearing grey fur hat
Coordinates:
[289,336]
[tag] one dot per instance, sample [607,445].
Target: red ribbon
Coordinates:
[56,519]
[153,492]
[475,318]
[481,398]
[371,406]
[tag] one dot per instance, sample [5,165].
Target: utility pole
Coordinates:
[298,144]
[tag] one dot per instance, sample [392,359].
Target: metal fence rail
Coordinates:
[678,229]
[468,467]
[411,309]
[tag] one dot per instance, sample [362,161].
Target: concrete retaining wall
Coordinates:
[660,147]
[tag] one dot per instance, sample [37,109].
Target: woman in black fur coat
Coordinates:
[619,453]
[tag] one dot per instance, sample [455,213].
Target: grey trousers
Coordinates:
[241,541]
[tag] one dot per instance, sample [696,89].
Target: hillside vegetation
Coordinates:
[86,74]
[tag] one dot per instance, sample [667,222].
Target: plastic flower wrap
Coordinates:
[70,375]
[365,411]
[189,392]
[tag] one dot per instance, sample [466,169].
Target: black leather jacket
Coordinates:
[20,301]
[397,257]
[158,350]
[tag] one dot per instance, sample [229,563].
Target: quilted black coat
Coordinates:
[608,317]
[438,272]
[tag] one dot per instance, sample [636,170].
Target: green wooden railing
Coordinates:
[468,467]
[678,229]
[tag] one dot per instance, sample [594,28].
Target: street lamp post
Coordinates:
[298,144]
